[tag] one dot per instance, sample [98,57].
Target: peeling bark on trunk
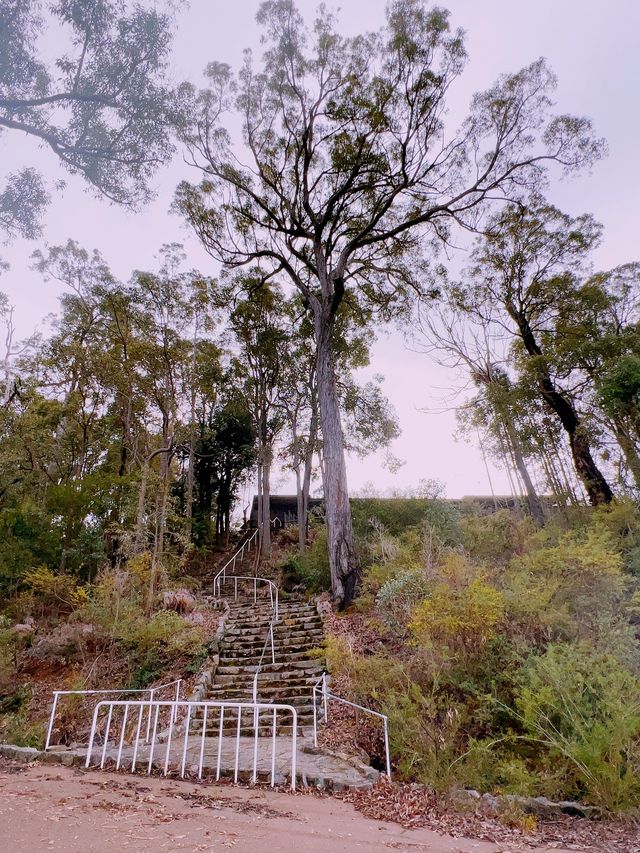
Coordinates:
[342,556]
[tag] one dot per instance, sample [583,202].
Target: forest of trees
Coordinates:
[334,201]
[131,426]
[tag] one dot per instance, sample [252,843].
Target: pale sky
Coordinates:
[592,46]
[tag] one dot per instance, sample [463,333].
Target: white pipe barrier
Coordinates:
[321,684]
[152,691]
[239,554]
[134,711]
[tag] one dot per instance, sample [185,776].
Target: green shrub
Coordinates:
[398,597]
[581,709]
[165,636]
[495,538]
[312,567]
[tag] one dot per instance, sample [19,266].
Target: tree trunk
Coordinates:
[342,554]
[302,530]
[533,501]
[592,478]
[265,542]
[629,449]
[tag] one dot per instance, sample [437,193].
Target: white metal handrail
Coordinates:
[321,684]
[264,649]
[239,554]
[255,581]
[129,709]
[152,691]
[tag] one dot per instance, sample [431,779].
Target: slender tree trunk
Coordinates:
[342,553]
[533,501]
[265,548]
[302,532]
[259,487]
[188,509]
[592,478]
[629,449]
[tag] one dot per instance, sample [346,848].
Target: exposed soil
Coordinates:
[60,808]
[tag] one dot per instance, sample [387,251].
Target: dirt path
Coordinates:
[60,808]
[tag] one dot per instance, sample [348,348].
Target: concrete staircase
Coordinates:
[288,681]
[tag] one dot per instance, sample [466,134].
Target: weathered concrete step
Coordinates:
[283,643]
[280,666]
[295,629]
[277,679]
[255,636]
[228,659]
[259,626]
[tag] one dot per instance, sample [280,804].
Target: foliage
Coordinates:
[312,567]
[581,709]
[103,107]
[495,537]
[458,620]
[510,667]
[399,596]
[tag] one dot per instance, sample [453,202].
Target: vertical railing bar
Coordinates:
[315,717]
[151,695]
[106,736]
[135,748]
[202,742]
[186,741]
[94,724]
[235,771]
[51,719]
[273,651]
[324,695]
[273,748]
[153,738]
[175,709]
[294,748]
[166,758]
[386,747]
[124,726]
[220,736]
[255,590]
[256,726]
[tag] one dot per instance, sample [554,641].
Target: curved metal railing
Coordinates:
[321,686]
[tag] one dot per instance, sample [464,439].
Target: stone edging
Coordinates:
[539,806]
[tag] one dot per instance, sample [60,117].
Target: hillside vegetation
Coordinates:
[506,656]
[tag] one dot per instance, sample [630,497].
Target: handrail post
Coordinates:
[315,717]
[324,695]
[175,707]
[148,734]
[294,748]
[94,723]
[386,748]
[273,651]
[51,719]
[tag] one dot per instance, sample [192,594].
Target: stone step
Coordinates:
[266,679]
[255,626]
[280,666]
[250,662]
[286,632]
[283,645]
[266,692]
[294,629]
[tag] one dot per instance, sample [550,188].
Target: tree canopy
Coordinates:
[102,104]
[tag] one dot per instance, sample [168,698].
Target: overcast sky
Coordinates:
[592,47]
